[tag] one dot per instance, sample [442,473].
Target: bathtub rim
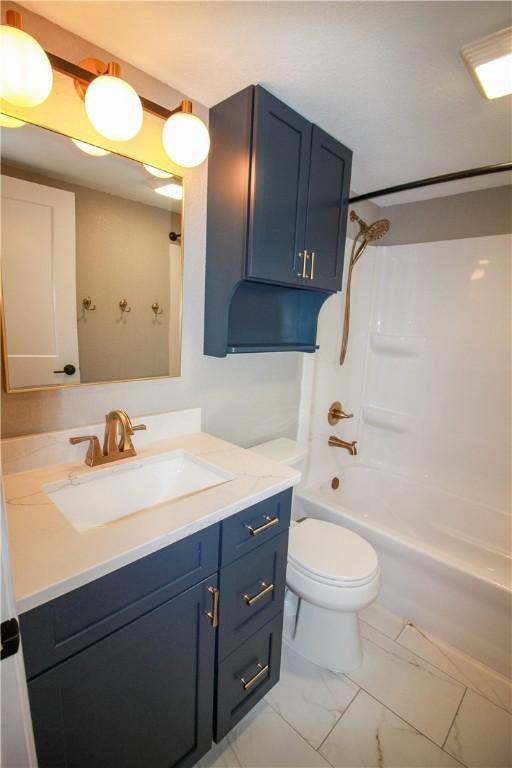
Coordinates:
[313,495]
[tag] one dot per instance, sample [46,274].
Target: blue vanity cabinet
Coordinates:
[121,670]
[142,696]
[146,665]
[252,580]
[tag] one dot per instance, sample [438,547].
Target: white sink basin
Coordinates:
[108,494]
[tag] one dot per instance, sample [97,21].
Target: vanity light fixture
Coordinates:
[26,76]
[90,149]
[185,137]
[170,190]
[6,121]
[157,172]
[112,105]
[490,62]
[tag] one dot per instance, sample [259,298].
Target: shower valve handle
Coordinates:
[336,413]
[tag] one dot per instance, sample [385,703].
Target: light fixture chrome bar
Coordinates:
[445,177]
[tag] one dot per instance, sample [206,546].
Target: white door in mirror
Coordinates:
[39,283]
[104,495]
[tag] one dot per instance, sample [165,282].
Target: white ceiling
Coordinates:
[386,78]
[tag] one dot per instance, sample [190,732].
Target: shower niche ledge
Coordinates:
[385,418]
[396,345]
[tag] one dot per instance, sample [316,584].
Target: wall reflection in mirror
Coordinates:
[91,263]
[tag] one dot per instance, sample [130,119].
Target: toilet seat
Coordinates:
[331,554]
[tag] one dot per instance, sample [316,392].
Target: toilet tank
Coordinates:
[283,450]
[288,452]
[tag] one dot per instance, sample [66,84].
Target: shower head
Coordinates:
[377,230]
[371,232]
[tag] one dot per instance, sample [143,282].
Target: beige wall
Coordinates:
[122,251]
[245,398]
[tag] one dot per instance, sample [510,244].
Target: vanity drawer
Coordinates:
[247,675]
[58,629]
[251,593]
[255,525]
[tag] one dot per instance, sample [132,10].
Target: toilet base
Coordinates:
[330,639]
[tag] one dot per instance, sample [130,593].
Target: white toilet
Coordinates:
[334,572]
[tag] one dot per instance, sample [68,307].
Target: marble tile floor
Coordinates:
[414,703]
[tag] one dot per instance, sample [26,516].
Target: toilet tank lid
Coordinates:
[281,449]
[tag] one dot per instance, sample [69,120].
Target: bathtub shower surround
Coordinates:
[427,376]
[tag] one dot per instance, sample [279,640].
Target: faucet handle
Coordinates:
[336,413]
[138,427]
[94,452]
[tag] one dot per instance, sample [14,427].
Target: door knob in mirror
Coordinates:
[68,369]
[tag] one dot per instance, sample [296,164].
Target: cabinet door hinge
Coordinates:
[10,636]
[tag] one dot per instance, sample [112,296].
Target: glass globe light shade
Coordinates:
[186,139]
[114,108]
[26,76]
[6,121]
[90,149]
[157,172]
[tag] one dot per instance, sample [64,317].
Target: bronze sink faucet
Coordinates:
[117,442]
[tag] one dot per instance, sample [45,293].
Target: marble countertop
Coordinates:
[49,557]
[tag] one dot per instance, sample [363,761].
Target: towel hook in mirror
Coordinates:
[156,308]
[123,306]
[88,305]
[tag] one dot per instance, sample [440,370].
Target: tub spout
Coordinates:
[336,442]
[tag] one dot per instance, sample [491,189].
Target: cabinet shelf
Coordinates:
[241,348]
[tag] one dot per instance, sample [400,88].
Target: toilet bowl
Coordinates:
[334,573]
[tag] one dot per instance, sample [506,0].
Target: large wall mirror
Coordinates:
[91,264]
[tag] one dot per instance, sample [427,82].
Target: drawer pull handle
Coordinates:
[213,615]
[262,672]
[260,528]
[266,590]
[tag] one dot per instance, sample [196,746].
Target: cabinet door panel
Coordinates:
[143,696]
[279,183]
[327,210]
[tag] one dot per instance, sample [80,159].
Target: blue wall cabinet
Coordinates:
[149,664]
[327,210]
[278,190]
[279,186]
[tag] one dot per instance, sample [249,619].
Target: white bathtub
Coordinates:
[445,560]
